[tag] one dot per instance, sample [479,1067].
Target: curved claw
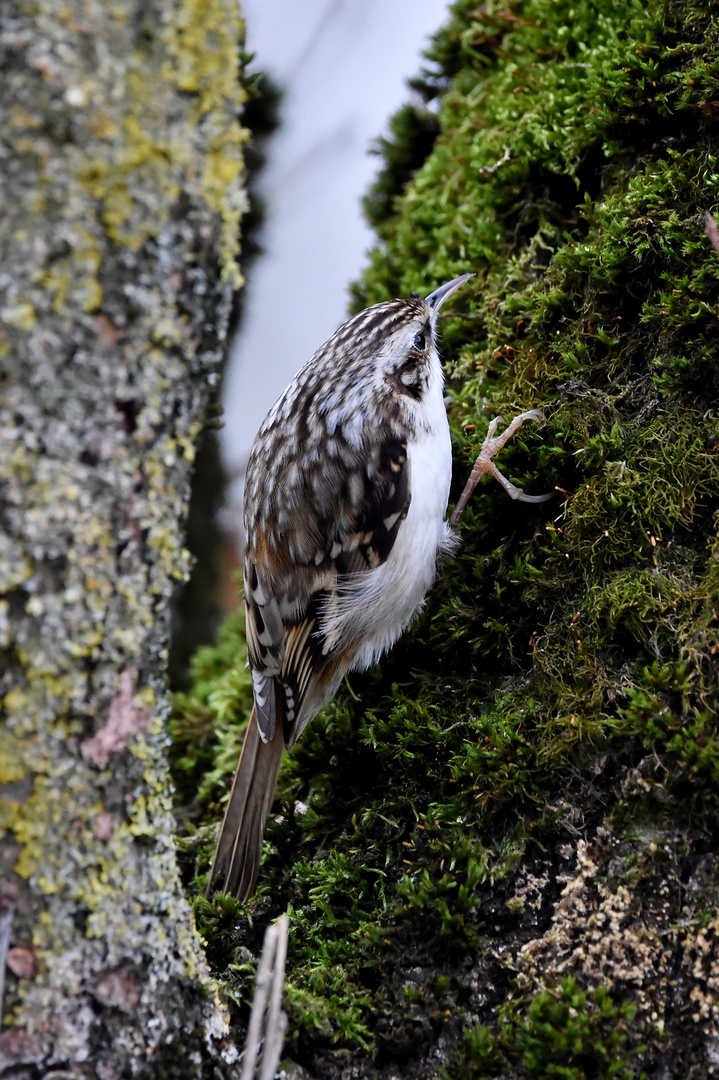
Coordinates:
[532,414]
[484,464]
[521,497]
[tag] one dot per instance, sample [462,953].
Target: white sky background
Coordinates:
[343,66]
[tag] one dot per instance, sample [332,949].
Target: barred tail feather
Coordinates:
[239,847]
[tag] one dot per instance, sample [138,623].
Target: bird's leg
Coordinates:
[484,464]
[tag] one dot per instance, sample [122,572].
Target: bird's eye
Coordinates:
[419,340]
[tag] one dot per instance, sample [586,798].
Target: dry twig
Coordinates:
[268,984]
[712,230]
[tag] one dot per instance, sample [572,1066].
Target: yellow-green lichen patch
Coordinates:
[20,315]
[12,766]
[604,936]
[202,43]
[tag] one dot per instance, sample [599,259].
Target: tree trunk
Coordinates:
[121,196]
[500,857]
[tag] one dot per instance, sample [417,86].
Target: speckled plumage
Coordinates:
[345,500]
[326,496]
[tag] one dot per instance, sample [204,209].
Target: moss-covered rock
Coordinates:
[500,852]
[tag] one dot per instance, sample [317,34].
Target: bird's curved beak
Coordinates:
[438,297]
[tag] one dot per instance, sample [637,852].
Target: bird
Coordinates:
[346,493]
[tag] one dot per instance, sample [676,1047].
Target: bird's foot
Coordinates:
[484,464]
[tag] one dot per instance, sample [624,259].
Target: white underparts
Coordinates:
[377,606]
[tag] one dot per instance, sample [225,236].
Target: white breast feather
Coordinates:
[380,604]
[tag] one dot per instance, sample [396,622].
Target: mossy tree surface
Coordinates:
[500,851]
[121,194]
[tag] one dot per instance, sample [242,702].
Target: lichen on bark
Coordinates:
[122,191]
[499,853]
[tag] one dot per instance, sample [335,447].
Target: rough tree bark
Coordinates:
[500,855]
[121,195]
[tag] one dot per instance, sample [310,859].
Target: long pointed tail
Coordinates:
[239,847]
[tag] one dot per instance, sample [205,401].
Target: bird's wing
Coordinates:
[333,523]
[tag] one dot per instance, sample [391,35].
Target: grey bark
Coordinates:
[121,193]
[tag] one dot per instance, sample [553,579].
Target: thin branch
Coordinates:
[268,984]
[712,230]
[276,1019]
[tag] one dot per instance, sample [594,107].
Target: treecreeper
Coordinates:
[345,501]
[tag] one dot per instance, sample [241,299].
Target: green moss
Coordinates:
[560,1033]
[412,134]
[557,696]
[677,722]
[206,738]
